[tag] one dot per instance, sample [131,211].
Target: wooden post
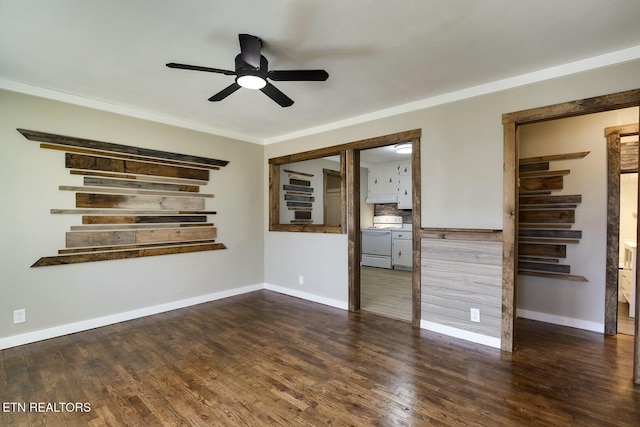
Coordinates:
[509,248]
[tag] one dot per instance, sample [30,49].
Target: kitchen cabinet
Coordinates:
[404,192]
[382,179]
[402,249]
[627,277]
[390,183]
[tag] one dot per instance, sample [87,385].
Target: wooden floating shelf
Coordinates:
[146,178]
[536,174]
[116,148]
[130,212]
[129,247]
[96,227]
[101,190]
[553,276]
[127,254]
[298,173]
[139,185]
[567,156]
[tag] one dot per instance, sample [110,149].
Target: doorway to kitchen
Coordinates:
[384,273]
[386,231]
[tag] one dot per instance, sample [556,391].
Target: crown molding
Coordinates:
[27,89]
[575,67]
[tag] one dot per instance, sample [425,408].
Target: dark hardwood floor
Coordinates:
[268,359]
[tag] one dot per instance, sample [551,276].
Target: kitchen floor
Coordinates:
[625,323]
[386,292]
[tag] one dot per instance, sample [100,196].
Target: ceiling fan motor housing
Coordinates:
[244,69]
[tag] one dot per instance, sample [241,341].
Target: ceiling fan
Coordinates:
[252,72]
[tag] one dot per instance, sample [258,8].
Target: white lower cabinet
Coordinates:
[402,253]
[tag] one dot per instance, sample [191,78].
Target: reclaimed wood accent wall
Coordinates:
[298,195]
[462,269]
[545,220]
[134,202]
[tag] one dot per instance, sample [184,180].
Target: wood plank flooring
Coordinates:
[386,292]
[265,359]
[626,324]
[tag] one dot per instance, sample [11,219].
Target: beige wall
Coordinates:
[462,153]
[63,295]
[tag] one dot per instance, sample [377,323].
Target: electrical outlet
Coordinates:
[475,315]
[19,316]
[300,280]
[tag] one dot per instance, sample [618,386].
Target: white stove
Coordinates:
[376,241]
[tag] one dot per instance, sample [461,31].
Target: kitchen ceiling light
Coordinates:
[251,82]
[403,148]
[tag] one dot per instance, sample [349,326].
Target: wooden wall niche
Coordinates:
[134,202]
[545,221]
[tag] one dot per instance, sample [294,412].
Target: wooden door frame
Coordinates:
[353,214]
[613,135]
[510,122]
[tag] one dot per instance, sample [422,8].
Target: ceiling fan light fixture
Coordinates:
[251,82]
[403,148]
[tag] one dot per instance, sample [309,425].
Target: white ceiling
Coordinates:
[111,54]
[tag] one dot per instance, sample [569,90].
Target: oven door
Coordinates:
[376,242]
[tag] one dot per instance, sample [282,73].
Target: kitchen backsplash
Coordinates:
[392,209]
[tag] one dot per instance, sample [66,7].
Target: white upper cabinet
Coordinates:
[390,183]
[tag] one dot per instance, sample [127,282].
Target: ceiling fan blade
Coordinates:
[199,68]
[225,92]
[250,47]
[274,93]
[298,75]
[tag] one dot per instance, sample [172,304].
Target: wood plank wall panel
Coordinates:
[458,275]
[135,202]
[142,219]
[93,181]
[75,239]
[89,200]
[79,161]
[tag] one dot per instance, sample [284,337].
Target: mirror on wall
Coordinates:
[307,193]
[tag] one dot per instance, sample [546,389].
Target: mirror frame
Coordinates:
[274,192]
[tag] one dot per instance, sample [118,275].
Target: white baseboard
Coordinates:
[561,320]
[461,333]
[84,325]
[307,296]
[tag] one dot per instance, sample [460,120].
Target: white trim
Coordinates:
[461,333]
[608,59]
[307,296]
[85,325]
[14,86]
[560,320]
